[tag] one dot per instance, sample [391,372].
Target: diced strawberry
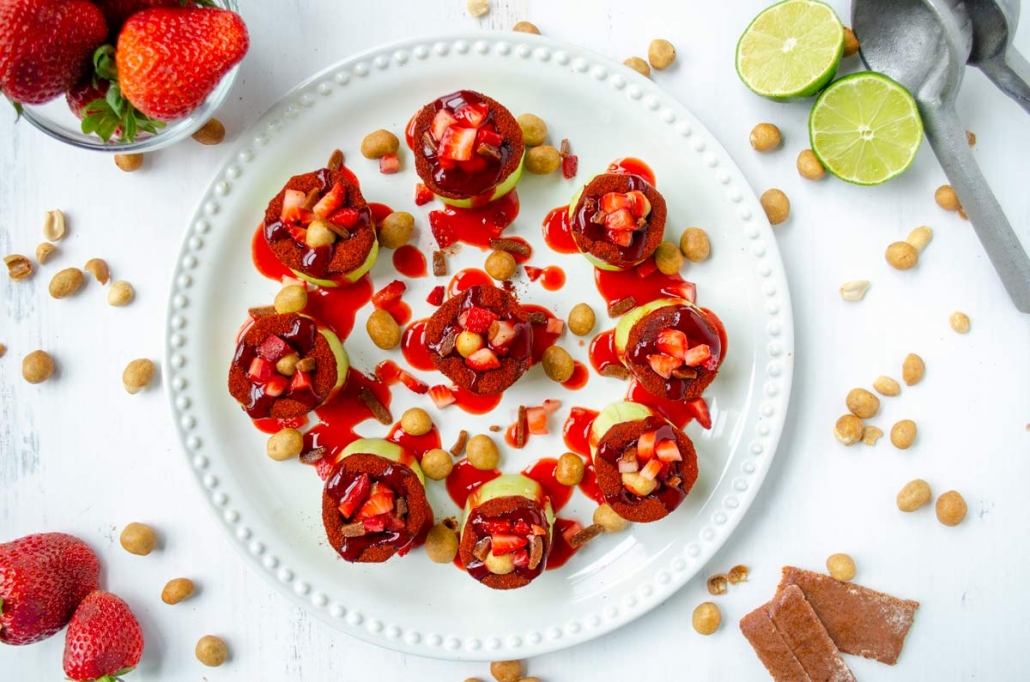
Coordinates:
[520,557]
[423,195]
[474,165]
[667,451]
[571,531]
[570,166]
[457,143]
[346,217]
[536,417]
[491,138]
[554,326]
[296,216]
[435,296]
[272,348]
[696,355]
[297,234]
[388,295]
[640,207]
[700,409]
[442,396]
[663,365]
[478,320]
[533,272]
[483,360]
[623,238]
[651,469]
[324,467]
[538,530]
[389,164]
[551,406]
[502,543]
[672,342]
[276,385]
[395,523]
[647,268]
[441,227]
[620,221]
[493,526]
[646,444]
[521,528]
[332,200]
[711,362]
[300,381]
[355,494]
[441,122]
[260,370]
[375,524]
[413,383]
[688,291]
[472,115]
[380,501]
[292,200]
[614,201]
[501,334]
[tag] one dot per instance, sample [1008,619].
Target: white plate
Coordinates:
[272,511]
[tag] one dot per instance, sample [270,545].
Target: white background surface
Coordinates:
[77,454]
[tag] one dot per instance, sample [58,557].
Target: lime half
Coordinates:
[865,129]
[791,50]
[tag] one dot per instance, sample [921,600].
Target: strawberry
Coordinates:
[614,201]
[389,164]
[97,99]
[423,195]
[412,383]
[42,580]
[571,531]
[551,406]
[441,122]
[536,418]
[700,409]
[333,199]
[672,342]
[620,221]
[300,381]
[533,272]
[554,326]
[435,296]
[104,640]
[696,355]
[472,115]
[646,444]
[355,494]
[442,396]
[502,543]
[457,143]
[45,46]
[667,451]
[272,348]
[646,269]
[389,294]
[621,238]
[380,501]
[501,334]
[483,360]
[276,385]
[492,526]
[169,60]
[640,207]
[520,557]
[570,166]
[84,93]
[443,233]
[260,370]
[478,320]
[663,365]
[651,469]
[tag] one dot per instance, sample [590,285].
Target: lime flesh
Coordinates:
[791,50]
[865,129]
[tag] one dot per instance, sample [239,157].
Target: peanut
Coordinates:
[862,403]
[285,445]
[542,160]
[871,434]
[137,375]
[914,495]
[959,322]
[396,229]
[130,163]
[44,251]
[765,137]
[582,319]
[534,129]
[706,618]
[54,227]
[66,283]
[946,198]
[416,422]
[177,590]
[776,205]
[37,367]
[98,268]
[951,508]
[211,651]
[606,517]
[383,330]
[694,244]
[482,452]
[526,27]
[848,429]
[841,567]
[854,290]
[638,65]
[661,53]
[558,364]
[570,469]
[668,258]
[920,237]
[441,544]
[500,265]
[850,42]
[138,538]
[912,369]
[212,132]
[903,434]
[902,256]
[292,298]
[437,464]
[886,386]
[18,267]
[809,166]
[120,294]
[506,671]
[378,144]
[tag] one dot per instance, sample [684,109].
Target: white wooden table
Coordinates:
[78,454]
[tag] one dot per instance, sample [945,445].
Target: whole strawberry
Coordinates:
[43,578]
[104,640]
[169,60]
[46,45]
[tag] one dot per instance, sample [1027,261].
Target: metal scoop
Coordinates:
[993,24]
[920,44]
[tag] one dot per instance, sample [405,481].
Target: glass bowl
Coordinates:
[56,120]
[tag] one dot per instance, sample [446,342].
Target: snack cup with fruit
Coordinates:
[506,532]
[374,503]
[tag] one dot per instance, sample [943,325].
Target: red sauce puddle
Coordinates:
[273,425]
[576,433]
[580,377]
[475,226]
[557,233]
[399,311]
[409,261]
[551,278]
[614,286]
[632,166]
[414,348]
[561,550]
[419,445]
[336,307]
[678,412]
[521,257]
[339,417]
[464,479]
[389,373]
[542,471]
[602,351]
[542,339]
[466,278]
[264,260]
[473,403]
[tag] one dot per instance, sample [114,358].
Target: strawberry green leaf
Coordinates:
[17,107]
[104,64]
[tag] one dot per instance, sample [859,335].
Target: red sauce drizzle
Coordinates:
[633,166]
[475,226]
[264,260]
[551,278]
[379,211]
[579,378]
[414,348]
[542,471]
[557,232]
[576,431]
[602,351]
[273,425]
[399,311]
[464,479]
[466,278]
[419,445]
[336,307]
[409,261]
[473,403]
[542,339]
[589,485]
[409,132]
[614,286]
[720,328]
[679,412]
[561,551]
[389,373]
[338,417]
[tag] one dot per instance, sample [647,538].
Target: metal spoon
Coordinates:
[920,44]
[993,23]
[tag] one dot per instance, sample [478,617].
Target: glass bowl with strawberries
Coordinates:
[115,86]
